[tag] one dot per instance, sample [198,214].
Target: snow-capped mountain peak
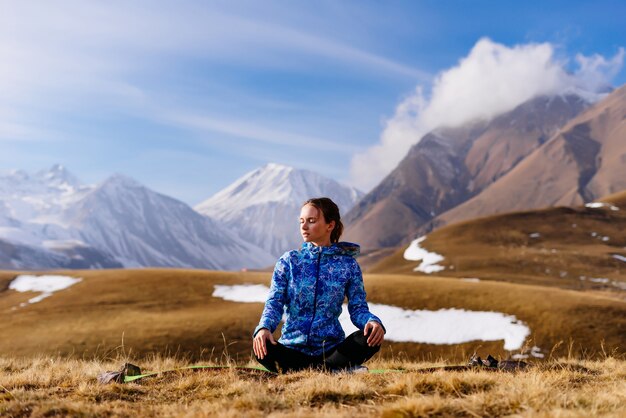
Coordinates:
[58,176]
[42,195]
[141,227]
[17,175]
[277,183]
[269,183]
[54,181]
[274,194]
[119,181]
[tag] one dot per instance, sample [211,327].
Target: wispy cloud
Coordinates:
[10,131]
[70,57]
[257,132]
[68,43]
[341,52]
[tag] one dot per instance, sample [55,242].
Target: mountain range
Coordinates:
[583,161]
[551,150]
[561,150]
[30,236]
[52,220]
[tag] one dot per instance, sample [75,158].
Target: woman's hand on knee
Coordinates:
[259,342]
[374,332]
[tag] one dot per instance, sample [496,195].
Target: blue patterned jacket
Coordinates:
[309,287]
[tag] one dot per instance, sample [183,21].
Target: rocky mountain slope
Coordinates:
[451,165]
[584,160]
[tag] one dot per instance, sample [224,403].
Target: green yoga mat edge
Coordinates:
[128,379]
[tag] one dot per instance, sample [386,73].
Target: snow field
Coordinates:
[445,326]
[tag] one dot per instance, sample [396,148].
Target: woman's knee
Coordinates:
[359,338]
[271,351]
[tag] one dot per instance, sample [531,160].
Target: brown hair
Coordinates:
[330,210]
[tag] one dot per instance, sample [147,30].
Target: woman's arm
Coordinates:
[360,314]
[273,311]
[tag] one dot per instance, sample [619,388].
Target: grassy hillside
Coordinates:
[618,199]
[561,247]
[160,311]
[46,387]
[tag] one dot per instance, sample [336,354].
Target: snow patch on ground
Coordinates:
[619,257]
[619,285]
[44,284]
[598,205]
[242,292]
[471,279]
[445,326]
[605,280]
[429,260]
[534,235]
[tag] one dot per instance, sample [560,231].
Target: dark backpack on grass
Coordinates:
[492,363]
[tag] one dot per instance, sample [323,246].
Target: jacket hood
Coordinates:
[337,248]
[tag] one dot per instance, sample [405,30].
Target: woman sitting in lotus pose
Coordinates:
[309,286]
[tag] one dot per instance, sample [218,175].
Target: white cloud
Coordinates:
[70,57]
[596,72]
[492,79]
[254,131]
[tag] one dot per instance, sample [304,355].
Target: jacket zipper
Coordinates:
[319,257]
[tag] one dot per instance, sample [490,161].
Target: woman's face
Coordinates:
[313,226]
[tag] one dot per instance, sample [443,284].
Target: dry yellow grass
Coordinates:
[559,247]
[53,386]
[162,311]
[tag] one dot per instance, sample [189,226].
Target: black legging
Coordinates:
[351,352]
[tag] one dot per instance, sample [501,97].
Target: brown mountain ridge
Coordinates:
[449,166]
[585,160]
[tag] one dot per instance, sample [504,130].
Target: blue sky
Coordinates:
[187,96]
